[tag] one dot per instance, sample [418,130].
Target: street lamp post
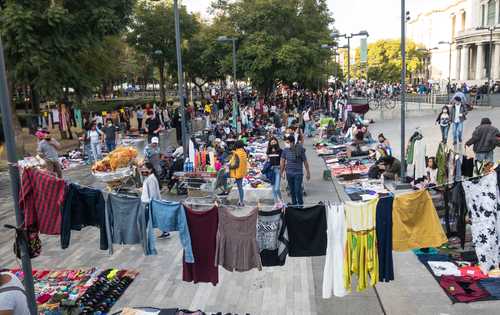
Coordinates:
[449,64]
[223,39]
[336,35]
[403,87]
[10,145]
[180,79]
[491,29]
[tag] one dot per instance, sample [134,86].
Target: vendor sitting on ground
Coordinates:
[358,146]
[47,149]
[387,166]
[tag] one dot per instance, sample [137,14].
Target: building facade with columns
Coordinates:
[457,36]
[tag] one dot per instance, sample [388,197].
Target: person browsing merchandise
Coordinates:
[47,148]
[153,126]
[293,161]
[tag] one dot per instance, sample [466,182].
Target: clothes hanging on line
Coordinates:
[83,207]
[272,238]
[482,201]
[236,248]
[361,258]
[203,230]
[333,273]
[41,197]
[306,230]
[415,223]
[171,216]
[384,238]
[128,222]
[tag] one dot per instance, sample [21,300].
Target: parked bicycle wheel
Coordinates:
[391,103]
[374,104]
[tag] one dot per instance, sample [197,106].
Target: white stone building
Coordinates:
[464,24]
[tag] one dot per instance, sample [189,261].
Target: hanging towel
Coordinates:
[307,231]
[171,216]
[415,223]
[361,258]
[203,229]
[384,239]
[333,273]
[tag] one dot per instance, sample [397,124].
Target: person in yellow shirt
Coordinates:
[238,168]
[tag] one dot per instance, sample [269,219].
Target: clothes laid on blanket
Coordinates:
[482,202]
[129,221]
[444,268]
[236,248]
[492,286]
[333,273]
[306,230]
[463,289]
[361,256]
[272,238]
[171,216]
[415,223]
[474,272]
[203,230]
[384,239]
[83,207]
[41,197]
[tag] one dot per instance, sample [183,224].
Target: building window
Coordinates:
[492,12]
[463,21]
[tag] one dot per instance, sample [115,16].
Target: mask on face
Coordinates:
[287,145]
[110,125]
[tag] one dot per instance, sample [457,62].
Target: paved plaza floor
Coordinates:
[292,289]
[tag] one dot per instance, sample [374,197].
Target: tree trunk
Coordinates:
[161,69]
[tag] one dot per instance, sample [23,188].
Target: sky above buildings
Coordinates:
[381,18]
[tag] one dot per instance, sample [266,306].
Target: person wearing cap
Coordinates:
[47,149]
[458,116]
[484,140]
[152,154]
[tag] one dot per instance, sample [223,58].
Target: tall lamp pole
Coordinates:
[336,35]
[180,79]
[449,65]
[403,87]
[223,39]
[10,144]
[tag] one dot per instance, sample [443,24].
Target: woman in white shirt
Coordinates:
[96,139]
[13,300]
[151,188]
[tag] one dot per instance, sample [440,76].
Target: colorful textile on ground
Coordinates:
[84,291]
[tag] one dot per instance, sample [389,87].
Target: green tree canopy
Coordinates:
[384,60]
[279,40]
[153,34]
[44,39]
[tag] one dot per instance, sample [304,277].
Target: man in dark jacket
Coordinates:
[458,115]
[484,140]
